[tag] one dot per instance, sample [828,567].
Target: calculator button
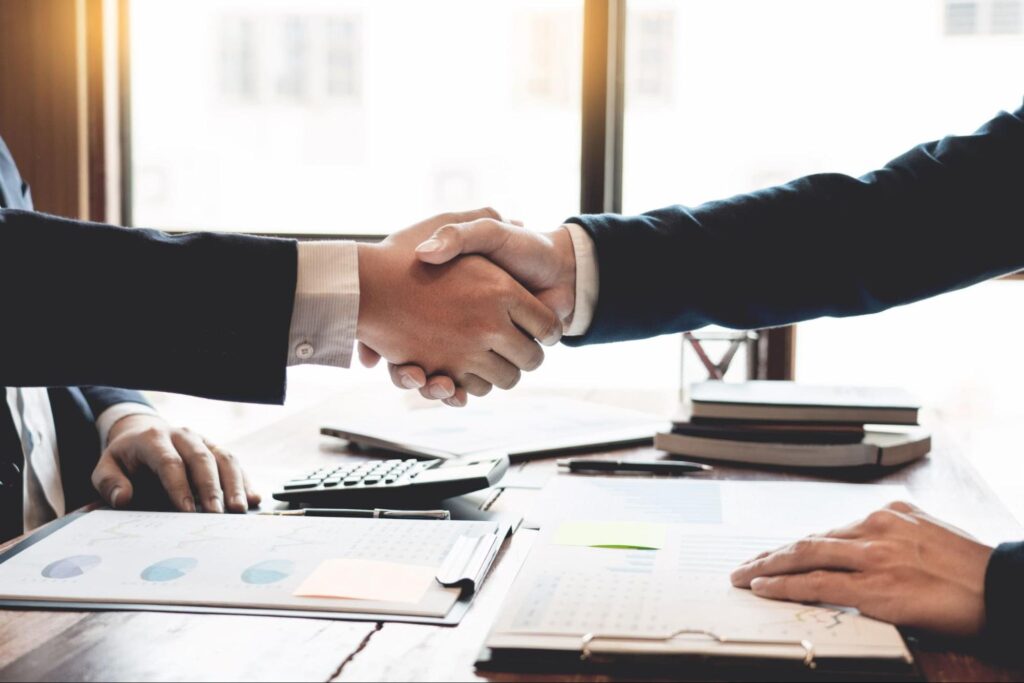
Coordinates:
[331,481]
[370,481]
[301,484]
[352,481]
[389,480]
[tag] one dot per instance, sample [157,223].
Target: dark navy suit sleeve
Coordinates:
[1004,598]
[90,304]
[944,215]
[101,398]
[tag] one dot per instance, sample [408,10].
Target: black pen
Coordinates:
[376,513]
[648,466]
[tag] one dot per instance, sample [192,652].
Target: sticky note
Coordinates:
[640,535]
[368,580]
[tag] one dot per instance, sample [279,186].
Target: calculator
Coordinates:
[397,483]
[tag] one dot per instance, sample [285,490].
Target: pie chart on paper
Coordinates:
[70,567]
[269,571]
[169,570]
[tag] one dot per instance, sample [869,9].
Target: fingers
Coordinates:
[367,356]
[475,385]
[161,456]
[202,468]
[803,556]
[497,371]
[459,399]
[407,376]
[519,350]
[440,387]
[112,481]
[481,236]
[232,478]
[536,319]
[834,588]
[251,495]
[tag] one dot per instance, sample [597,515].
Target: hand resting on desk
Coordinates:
[141,445]
[898,565]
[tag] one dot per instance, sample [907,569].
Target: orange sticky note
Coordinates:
[368,580]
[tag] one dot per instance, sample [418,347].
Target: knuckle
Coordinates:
[491,212]
[817,582]
[170,464]
[227,457]
[876,552]
[879,520]
[900,506]
[152,433]
[802,547]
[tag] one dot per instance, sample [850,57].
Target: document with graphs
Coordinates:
[628,567]
[310,565]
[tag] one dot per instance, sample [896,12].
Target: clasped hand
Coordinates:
[455,326]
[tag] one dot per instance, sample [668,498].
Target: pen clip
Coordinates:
[469,560]
[379,513]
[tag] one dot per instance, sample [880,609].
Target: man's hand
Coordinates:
[899,565]
[544,263]
[181,459]
[467,320]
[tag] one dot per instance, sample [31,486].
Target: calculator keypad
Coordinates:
[365,474]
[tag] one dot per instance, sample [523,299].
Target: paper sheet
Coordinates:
[368,580]
[566,591]
[245,561]
[635,535]
[505,425]
[773,508]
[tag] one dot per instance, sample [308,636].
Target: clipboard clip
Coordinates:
[586,652]
[469,560]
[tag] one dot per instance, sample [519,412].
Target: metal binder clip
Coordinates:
[469,560]
[806,645]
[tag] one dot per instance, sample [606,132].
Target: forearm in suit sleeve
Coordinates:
[1004,598]
[89,304]
[101,398]
[944,215]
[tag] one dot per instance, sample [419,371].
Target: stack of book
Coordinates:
[790,424]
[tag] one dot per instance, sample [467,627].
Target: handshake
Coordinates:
[458,303]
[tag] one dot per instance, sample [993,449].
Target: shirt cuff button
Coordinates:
[304,351]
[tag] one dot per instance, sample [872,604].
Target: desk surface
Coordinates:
[143,646]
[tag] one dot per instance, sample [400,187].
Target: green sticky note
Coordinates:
[637,535]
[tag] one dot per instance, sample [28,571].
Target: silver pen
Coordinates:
[376,513]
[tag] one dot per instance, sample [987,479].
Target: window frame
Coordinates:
[601,148]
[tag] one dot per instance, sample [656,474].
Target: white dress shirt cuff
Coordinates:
[117,412]
[587,281]
[323,329]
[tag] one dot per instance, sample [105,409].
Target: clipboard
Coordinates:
[465,567]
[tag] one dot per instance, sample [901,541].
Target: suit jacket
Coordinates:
[944,215]
[74,408]
[204,314]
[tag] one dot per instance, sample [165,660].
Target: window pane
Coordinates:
[757,93]
[353,116]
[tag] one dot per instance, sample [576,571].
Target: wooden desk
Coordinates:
[142,646]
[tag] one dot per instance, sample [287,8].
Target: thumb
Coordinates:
[112,482]
[483,236]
